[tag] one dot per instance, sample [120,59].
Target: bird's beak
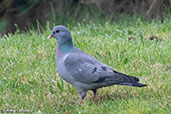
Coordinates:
[50,36]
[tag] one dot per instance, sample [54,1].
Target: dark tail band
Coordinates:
[133,84]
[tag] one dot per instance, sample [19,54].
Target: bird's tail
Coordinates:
[129,80]
[133,84]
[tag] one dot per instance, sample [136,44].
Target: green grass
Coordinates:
[29,80]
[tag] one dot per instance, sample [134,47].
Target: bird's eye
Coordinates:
[57,31]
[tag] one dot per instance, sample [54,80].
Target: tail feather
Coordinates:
[125,78]
[120,79]
[129,80]
[133,84]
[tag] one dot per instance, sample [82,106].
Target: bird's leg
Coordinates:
[81,101]
[94,97]
[83,94]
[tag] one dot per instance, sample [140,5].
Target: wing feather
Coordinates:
[86,69]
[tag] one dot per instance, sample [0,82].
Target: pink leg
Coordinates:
[83,94]
[95,99]
[81,101]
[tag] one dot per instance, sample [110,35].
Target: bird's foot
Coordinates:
[81,101]
[95,99]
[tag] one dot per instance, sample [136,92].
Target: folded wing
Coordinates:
[87,69]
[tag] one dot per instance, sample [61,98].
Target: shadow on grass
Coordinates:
[126,94]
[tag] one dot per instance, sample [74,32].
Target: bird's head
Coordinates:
[60,32]
[63,36]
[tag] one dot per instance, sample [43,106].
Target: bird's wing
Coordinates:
[86,69]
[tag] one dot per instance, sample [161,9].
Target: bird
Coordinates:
[82,70]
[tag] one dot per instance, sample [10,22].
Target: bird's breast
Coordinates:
[63,73]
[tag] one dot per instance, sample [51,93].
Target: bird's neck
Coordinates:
[65,45]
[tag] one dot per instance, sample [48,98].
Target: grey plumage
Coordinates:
[82,70]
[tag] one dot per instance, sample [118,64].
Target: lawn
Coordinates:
[29,80]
